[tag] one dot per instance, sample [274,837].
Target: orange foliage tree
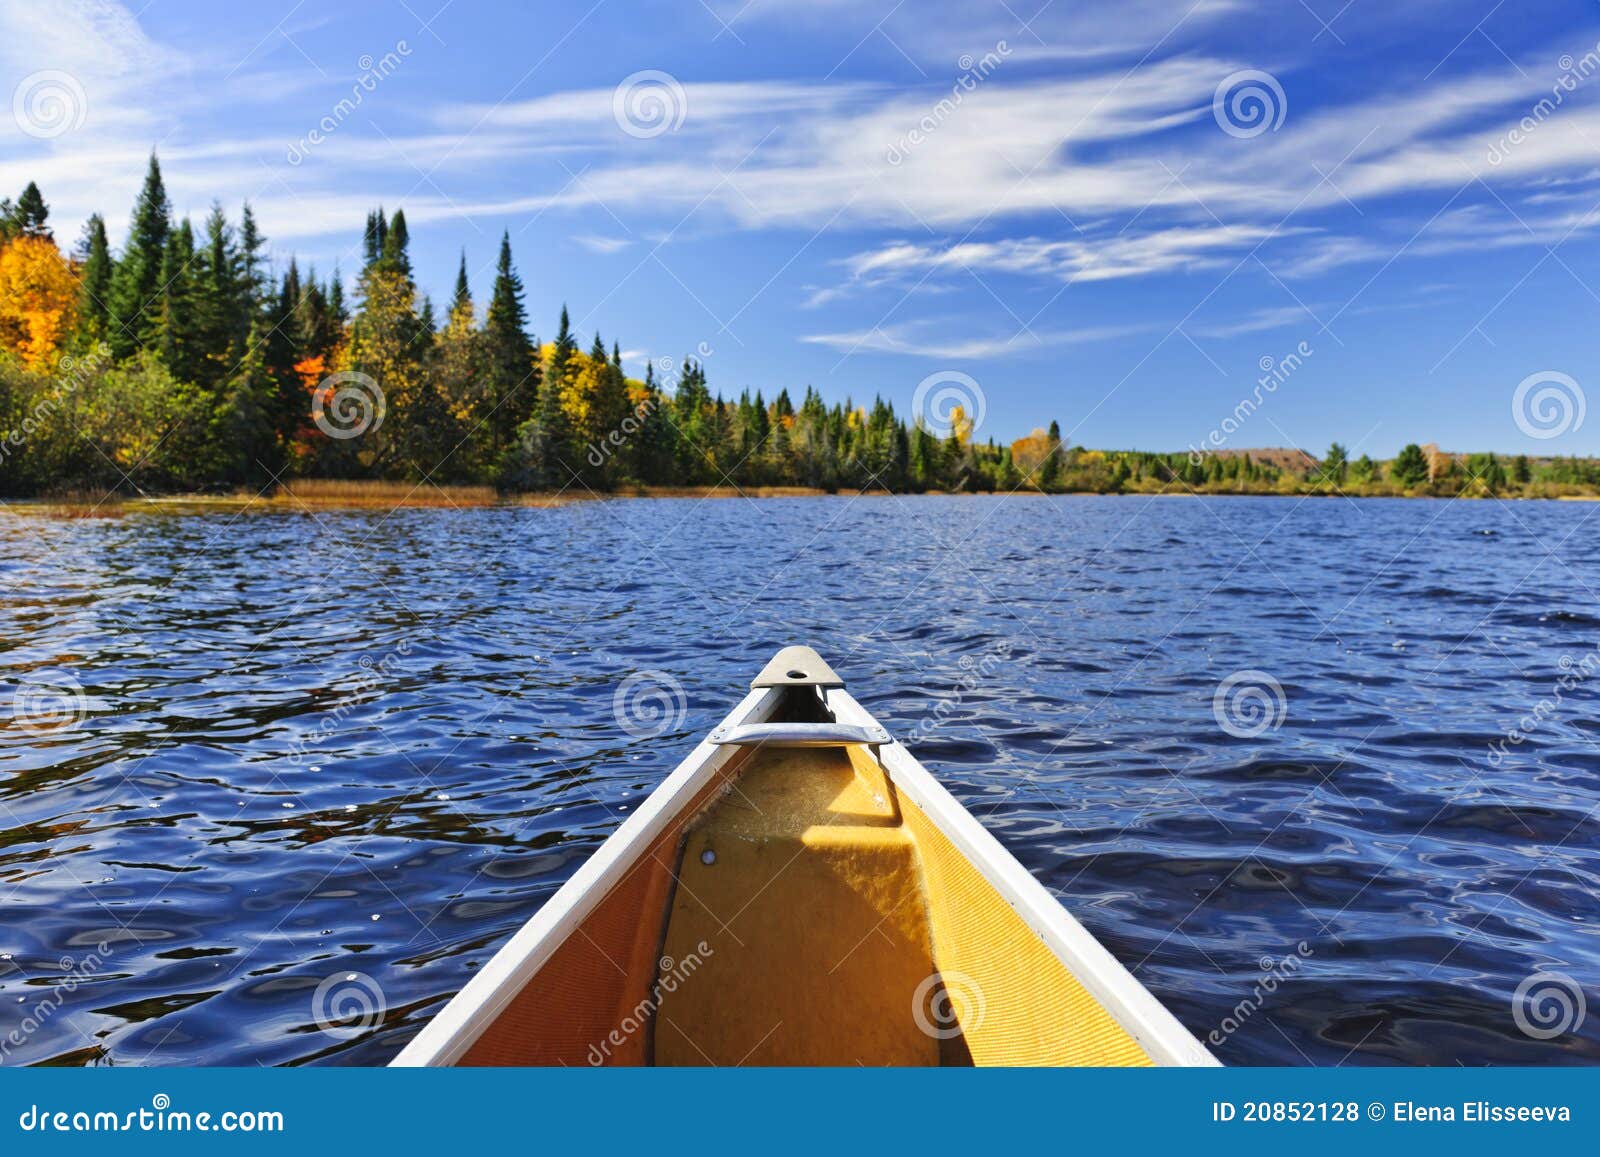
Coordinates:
[38,299]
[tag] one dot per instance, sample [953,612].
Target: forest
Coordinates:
[188,361]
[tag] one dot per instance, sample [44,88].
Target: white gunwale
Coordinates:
[1162,1036]
[459,1023]
[452,1031]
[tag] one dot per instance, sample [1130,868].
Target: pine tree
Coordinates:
[513,381]
[182,341]
[373,238]
[462,298]
[28,216]
[395,256]
[1335,464]
[94,253]
[135,306]
[1410,467]
[1049,475]
[252,265]
[555,429]
[222,306]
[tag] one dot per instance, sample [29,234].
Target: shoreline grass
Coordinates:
[308,495]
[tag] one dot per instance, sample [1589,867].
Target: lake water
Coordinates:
[348,745]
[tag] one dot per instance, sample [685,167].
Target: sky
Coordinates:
[1122,216]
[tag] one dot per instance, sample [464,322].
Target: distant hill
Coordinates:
[1295,461]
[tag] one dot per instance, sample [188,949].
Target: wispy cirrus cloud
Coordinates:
[1257,321]
[605,246]
[930,339]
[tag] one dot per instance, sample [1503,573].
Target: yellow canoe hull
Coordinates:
[804,906]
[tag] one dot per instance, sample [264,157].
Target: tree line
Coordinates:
[189,361]
[185,363]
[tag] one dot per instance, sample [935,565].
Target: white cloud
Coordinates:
[1180,248]
[1257,321]
[914,340]
[602,245]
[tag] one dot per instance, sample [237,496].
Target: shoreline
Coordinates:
[314,497]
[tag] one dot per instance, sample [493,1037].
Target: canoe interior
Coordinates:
[800,911]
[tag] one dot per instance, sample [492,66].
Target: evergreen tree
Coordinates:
[395,255]
[136,298]
[513,370]
[1049,474]
[222,305]
[461,299]
[28,216]
[373,238]
[94,255]
[182,340]
[1411,467]
[1335,464]
[252,264]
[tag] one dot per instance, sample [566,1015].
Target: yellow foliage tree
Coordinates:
[1029,452]
[38,299]
[960,425]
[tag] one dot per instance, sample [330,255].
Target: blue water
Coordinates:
[356,749]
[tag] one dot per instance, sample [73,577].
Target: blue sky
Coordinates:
[1088,232]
